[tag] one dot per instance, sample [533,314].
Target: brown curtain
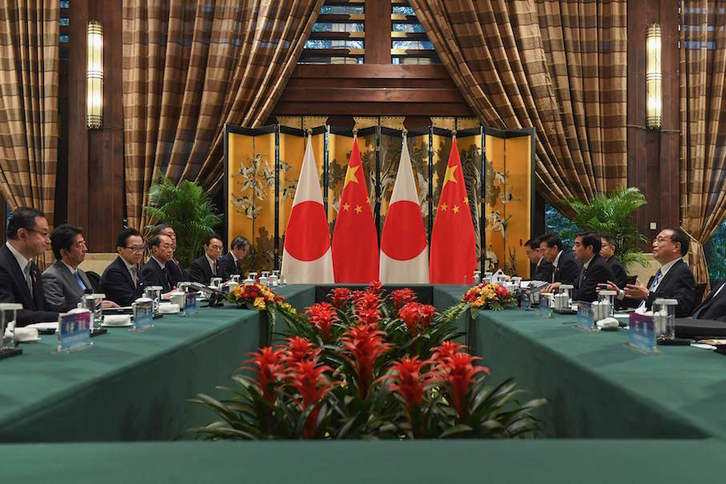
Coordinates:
[192,66]
[557,66]
[703,124]
[29,103]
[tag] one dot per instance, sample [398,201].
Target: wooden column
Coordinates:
[378,32]
[92,179]
[653,154]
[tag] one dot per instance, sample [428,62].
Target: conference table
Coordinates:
[613,412]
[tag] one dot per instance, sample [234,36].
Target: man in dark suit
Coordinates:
[120,281]
[205,267]
[231,263]
[607,252]
[594,269]
[20,280]
[173,267]
[64,282]
[673,280]
[154,273]
[542,269]
[565,268]
[714,307]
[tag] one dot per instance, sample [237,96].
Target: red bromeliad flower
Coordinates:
[409,382]
[402,296]
[269,370]
[459,371]
[340,296]
[502,291]
[299,349]
[446,350]
[416,316]
[365,344]
[375,287]
[367,300]
[312,385]
[369,317]
[322,316]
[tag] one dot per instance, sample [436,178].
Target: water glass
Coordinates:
[8,313]
[154,293]
[94,304]
[664,317]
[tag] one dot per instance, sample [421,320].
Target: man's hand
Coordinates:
[106,304]
[637,291]
[552,288]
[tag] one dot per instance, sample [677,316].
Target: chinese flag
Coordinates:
[453,242]
[355,242]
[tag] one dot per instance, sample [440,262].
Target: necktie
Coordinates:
[80,281]
[582,276]
[655,281]
[135,276]
[28,278]
[214,268]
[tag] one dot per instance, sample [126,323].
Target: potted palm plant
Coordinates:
[188,210]
[612,214]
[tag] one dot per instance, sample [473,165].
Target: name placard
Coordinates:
[190,304]
[585,318]
[143,314]
[74,330]
[642,332]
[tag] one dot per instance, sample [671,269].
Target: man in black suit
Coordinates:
[120,281]
[607,252]
[673,280]
[594,270]
[205,267]
[231,263]
[542,269]
[64,281]
[565,268]
[714,307]
[154,273]
[20,280]
[173,267]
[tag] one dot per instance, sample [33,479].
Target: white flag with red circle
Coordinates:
[306,258]
[404,252]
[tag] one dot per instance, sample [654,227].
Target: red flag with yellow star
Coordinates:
[453,242]
[355,241]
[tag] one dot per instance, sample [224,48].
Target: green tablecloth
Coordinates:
[600,387]
[353,462]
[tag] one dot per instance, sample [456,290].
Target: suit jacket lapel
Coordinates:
[18,275]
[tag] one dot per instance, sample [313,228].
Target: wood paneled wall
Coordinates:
[90,178]
[653,155]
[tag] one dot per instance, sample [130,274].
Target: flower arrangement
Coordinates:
[368,365]
[488,296]
[254,296]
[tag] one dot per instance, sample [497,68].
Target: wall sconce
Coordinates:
[94,105]
[653,78]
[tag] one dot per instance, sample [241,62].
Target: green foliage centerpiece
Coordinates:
[187,209]
[367,365]
[612,214]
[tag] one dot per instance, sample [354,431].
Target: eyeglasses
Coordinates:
[661,239]
[136,248]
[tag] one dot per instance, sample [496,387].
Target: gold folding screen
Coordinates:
[262,167]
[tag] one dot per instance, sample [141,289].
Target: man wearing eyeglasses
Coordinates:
[65,283]
[204,268]
[673,280]
[20,280]
[120,280]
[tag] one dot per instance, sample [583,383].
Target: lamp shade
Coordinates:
[94,104]
[653,78]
